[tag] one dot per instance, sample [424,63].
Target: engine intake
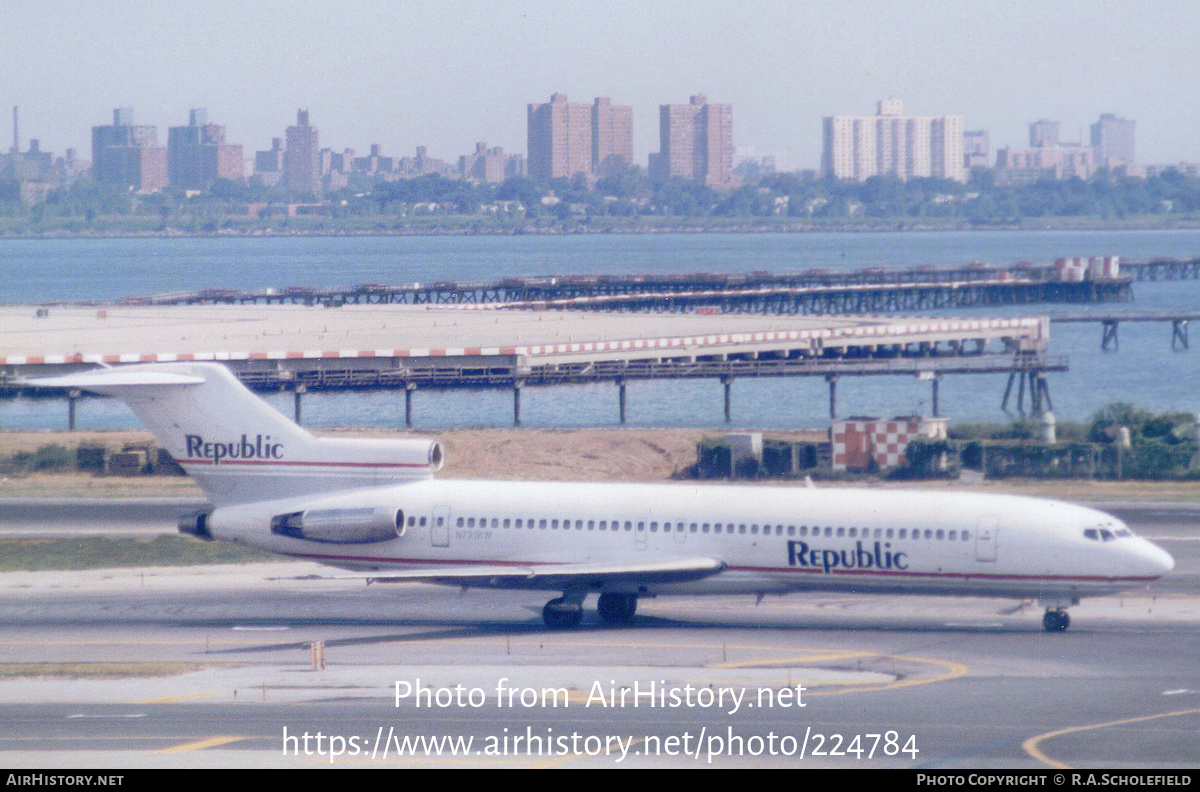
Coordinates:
[196,524]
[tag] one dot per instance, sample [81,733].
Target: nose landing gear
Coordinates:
[1056,620]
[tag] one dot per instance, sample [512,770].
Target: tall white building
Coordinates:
[859,147]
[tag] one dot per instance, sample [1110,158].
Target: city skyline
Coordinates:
[403,74]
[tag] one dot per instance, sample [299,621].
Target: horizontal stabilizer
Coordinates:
[554,575]
[102,379]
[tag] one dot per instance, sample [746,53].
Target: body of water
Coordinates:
[1145,371]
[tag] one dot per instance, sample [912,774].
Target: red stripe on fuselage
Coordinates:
[771,570]
[225,462]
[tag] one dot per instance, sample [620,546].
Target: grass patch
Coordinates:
[96,670]
[99,552]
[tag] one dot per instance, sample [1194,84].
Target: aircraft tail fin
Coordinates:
[237,446]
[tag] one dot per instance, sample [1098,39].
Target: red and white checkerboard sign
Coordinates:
[858,442]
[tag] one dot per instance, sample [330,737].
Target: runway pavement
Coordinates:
[944,683]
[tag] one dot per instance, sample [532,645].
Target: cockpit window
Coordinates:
[1124,532]
[1106,535]
[1091,533]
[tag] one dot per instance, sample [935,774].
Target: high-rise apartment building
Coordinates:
[128,156]
[889,142]
[612,137]
[559,139]
[696,142]
[1043,132]
[566,139]
[976,149]
[197,154]
[302,157]
[485,165]
[1112,138]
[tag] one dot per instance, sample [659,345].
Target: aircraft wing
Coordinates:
[554,575]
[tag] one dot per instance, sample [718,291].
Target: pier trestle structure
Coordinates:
[922,348]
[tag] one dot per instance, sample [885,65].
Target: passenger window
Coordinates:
[953,535]
[412,521]
[422,522]
[890,532]
[791,530]
[940,534]
[460,522]
[853,533]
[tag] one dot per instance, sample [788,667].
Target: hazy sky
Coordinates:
[447,73]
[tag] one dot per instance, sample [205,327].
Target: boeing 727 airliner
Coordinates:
[373,506]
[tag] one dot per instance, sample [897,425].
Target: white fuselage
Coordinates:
[771,539]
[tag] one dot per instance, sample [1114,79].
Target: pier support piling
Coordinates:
[727,381]
[1179,335]
[297,393]
[1046,404]
[934,383]
[72,397]
[517,385]
[1108,339]
[621,398]
[832,380]
[409,387]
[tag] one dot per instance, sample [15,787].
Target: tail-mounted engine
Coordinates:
[340,526]
[196,524]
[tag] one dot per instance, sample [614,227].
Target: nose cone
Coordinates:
[1154,560]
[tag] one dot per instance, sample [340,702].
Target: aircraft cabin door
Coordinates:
[439,528]
[986,536]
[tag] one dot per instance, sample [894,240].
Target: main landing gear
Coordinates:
[566,612]
[1056,620]
[617,608]
[562,614]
